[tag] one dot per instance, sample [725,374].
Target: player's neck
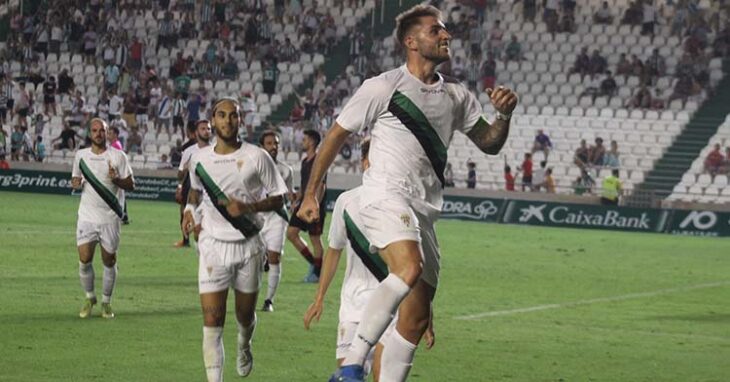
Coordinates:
[98,149]
[311,153]
[423,70]
[226,147]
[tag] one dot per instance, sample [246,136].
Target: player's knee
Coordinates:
[109,261]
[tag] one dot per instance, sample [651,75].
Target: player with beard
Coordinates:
[413,112]
[102,174]
[275,223]
[235,183]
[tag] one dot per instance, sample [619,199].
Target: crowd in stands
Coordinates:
[133,92]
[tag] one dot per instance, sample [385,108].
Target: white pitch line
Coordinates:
[624,297]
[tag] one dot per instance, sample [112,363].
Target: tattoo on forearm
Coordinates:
[490,138]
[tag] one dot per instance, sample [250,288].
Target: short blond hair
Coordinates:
[412,17]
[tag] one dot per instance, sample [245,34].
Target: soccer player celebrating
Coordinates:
[275,222]
[314,228]
[413,111]
[102,175]
[363,272]
[229,178]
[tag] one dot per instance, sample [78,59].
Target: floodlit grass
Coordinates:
[515,303]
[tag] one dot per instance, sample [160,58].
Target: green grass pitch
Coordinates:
[515,304]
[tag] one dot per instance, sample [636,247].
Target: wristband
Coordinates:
[503,117]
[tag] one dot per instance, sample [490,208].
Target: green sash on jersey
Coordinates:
[413,119]
[106,194]
[360,244]
[241,223]
[283,213]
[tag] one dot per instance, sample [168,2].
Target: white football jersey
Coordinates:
[101,207]
[287,173]
[245,175]
[186,155]
[346,232]
[412,126]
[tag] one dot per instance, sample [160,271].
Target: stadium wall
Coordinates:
[464,205]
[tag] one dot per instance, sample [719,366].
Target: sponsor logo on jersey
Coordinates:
[432,91]
[406,219]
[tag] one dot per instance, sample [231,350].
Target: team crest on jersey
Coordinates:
[239,163]
[406,219]
[210,270]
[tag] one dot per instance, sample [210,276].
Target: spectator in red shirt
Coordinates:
[4,165]
[526,169]
[714,161]
[509,179]
[135,54]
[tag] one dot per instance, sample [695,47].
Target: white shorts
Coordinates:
[225,264]
[345,333]
[274,233]
[391,220]
[107,235]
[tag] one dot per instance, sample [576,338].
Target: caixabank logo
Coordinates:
[585,216]
[700,223]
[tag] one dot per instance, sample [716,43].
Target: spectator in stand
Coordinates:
[129,110]
[526,169]
[513,52]
[509,179]
[39,148]
[67,138]
[4,165]
[550,15]
[542,143]
[56,38]
[116,103]
[642,99]
[581,156]
[65,82]
[633,14]
[649,15]
[90,37]
[449,176]
[134,142]
[596,153]
[549,183]
[683,89]
[597,64]
[3,140]
[582,64]
[164,163]
[163,113]
[489,72]
[714,161]
[179,108]
[136,49]
[611,159]
[623,67]
[176,152]
[17,139]
[608,86]
[584,183]
[656,65]
[603,15]
[111,76]
[457,68]
[195,101]
[102,107]
[49,96]
[23,104]
[471,177]
[679,20]
[529,10]
[495,38]
[612,189]
[567,23]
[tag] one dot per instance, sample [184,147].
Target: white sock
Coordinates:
[377,316]
[110,278]
[213,353]
[397,357]
[274,277]
[86,275]
[245,333]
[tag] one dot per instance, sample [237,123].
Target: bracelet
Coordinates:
[503,117]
